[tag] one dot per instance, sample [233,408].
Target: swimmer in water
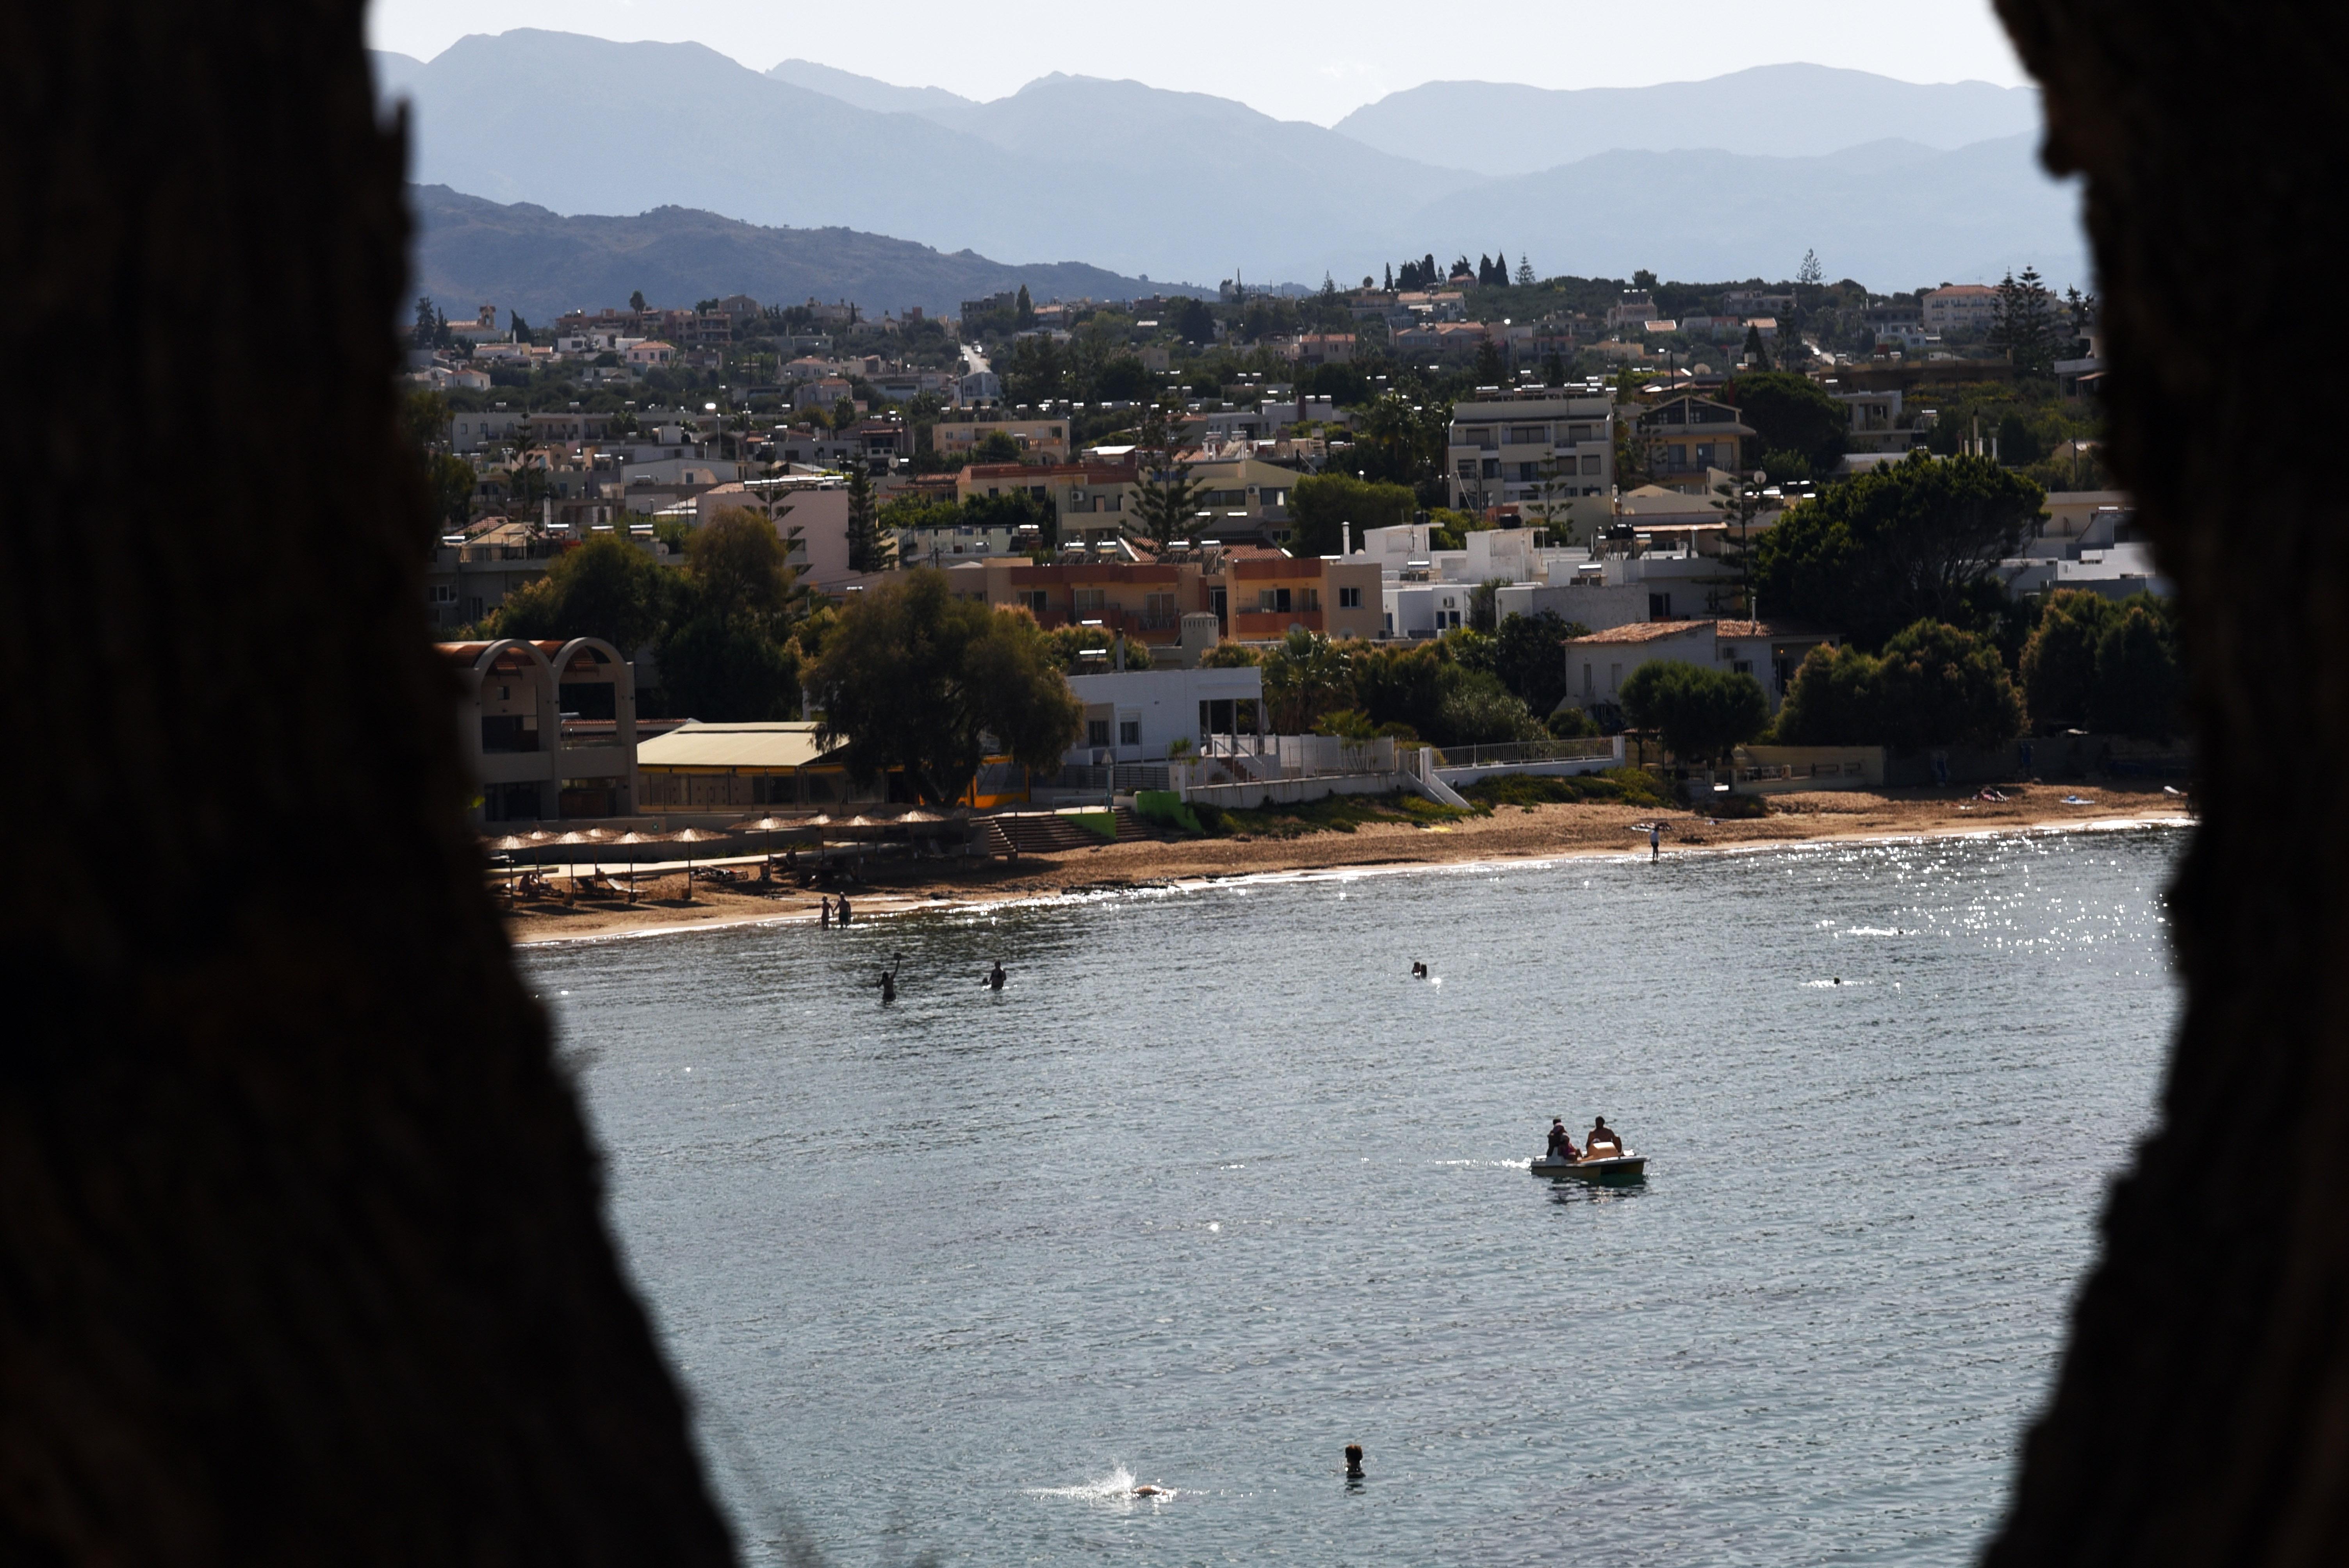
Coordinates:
[1353,1461]
[888,981]
[1150,1492]
[996,978]
[1419,971]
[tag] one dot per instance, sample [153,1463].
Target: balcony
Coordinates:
[1261,624]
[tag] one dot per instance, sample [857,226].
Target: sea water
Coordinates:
[1214,1187]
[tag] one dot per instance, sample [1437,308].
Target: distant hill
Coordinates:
[472,252]
[866,92]
[1129,178]
[1891,215]
[1779,112]
[1740,174]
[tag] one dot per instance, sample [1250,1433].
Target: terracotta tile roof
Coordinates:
[1643,632]
[1765,629]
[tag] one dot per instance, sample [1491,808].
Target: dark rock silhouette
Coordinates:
[2200,1409]
[301,1259]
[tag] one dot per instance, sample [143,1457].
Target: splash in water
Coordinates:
[1118,1486]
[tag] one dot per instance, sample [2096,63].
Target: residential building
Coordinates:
[700,766]
[824,392]
[1139,716]
[1552,449]
[1959,307]
[650,354]
[1262,597]
[1074,491]
[1636,308]
[1045,440]
[1244,496]
[1597,665]
[1142,601]
[471,431]
[1756,302]
[512,699]
[1683,439]
[1325,348]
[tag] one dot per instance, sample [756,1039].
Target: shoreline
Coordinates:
[1512,836]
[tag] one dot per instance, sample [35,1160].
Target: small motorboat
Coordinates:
[1620,1167]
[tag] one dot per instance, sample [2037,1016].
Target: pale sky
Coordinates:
[1296,60]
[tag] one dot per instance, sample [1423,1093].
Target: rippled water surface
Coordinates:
[1213,1187]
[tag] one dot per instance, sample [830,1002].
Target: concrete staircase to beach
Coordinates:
[1051,833]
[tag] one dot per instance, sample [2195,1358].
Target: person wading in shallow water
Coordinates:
[843,911]
[888,981]
[996,978]
[823,916]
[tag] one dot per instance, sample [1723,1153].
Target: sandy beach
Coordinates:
[1510,833]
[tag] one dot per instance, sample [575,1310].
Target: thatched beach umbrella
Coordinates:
[590,837]
[633,838]
[692,836]
[506,846]
[770,826]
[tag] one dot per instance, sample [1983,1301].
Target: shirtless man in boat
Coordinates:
[1600,1134]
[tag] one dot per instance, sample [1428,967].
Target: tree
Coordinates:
[1790,413]
[1070,644]
[1699,713]
[2059,660]
[1938,686]
[1916,539]
[911,677]
[1810,274]
[1525,278]
[603,588]
[637,301]
[2023,326]
[1529,656]
[1304,679]
[449,483]
[1320,504]
[2138,686]
[997,447]
[1491,369]
[1166,497]
[1757,352]
[1025,309]
[1832,700]
[725,671]
[1194,322]
[521,327]
[1740,501]
[739,570]
[868,550]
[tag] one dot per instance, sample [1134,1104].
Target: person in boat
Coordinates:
[996,976]
[1561,1141]
[1418,971]
[1600,1134]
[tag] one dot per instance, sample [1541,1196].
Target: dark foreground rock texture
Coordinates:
[2203,1408]
[301,1258]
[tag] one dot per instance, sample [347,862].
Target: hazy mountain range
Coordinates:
[1893,183]
[542,263]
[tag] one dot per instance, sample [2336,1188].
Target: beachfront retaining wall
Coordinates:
[1786,769]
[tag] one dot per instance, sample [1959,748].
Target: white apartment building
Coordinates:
[1539,449]
[1959,307]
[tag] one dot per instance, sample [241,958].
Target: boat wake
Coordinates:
[1118,1487]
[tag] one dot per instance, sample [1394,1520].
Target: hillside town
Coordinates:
[1280,545]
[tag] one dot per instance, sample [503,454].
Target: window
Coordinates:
[1614,677]
[1096,732]
[1129,732]
[1090,603]
[1741,666]
[1308,599]
[1158,610]
[1350,598]
[444,593]
[1590,680]
[1590,463]
[1492,468]
[1272,601]
[1526,473]
[1527,435]
[1037,600]
[1660,606]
